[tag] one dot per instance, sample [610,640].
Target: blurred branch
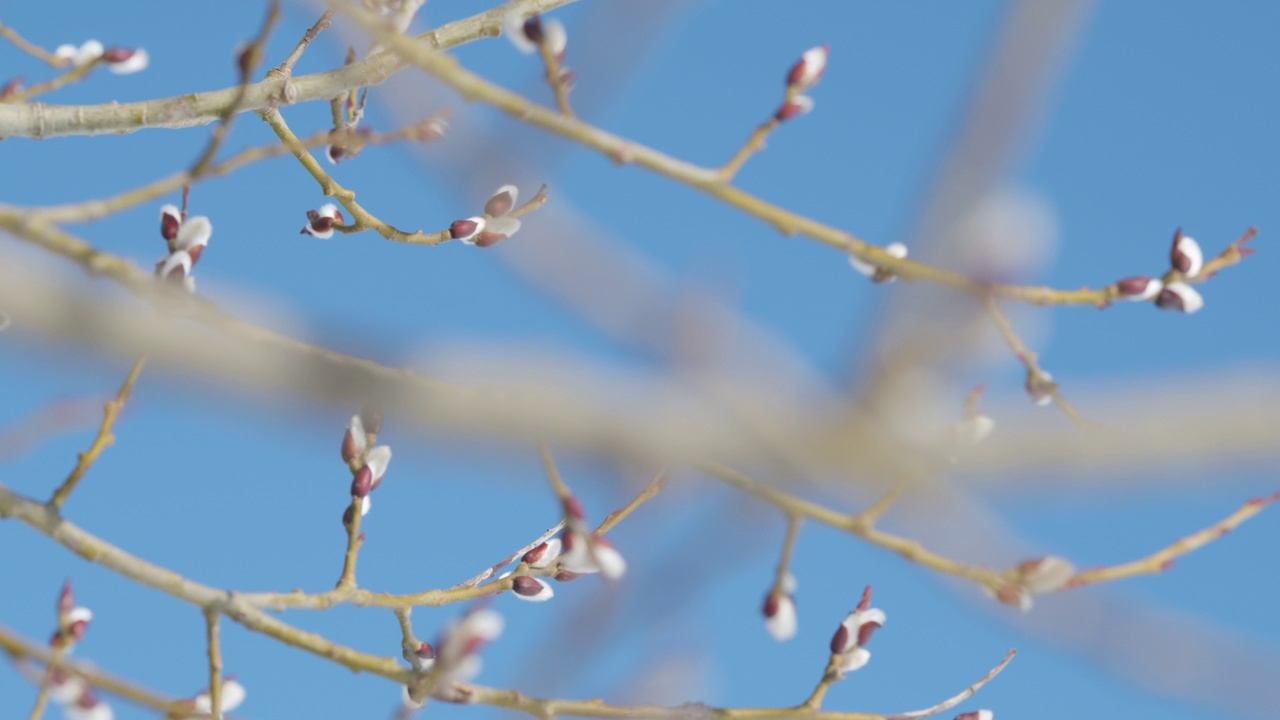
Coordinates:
[90,210]
[29,47]
[19,649]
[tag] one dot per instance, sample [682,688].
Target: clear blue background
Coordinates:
[1165,116]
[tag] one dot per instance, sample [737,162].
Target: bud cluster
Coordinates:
[457,652]
[368,464]
[71,691]
[529,33]
[576,552]
[187,239]
[803,75]
[320,223]
[119,60]
[1174,292]
[495,225]
[848,645]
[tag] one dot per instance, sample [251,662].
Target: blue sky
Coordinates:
[1163,116]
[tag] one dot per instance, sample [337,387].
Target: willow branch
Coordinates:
[214,639]
[40,120]
[29,47]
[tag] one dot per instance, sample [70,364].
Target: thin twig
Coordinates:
[104,439]
[1163,559]
[249,60]
[553,473]
[285,69]
[958,697]
[46,682]
[1038,381]
[75,74]
[211,619]
[654,487]
[29,47]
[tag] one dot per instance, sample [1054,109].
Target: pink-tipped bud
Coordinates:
[425,651]
[170,221]
[795,107]
[334,153]
[66,601]
[780,617]
[11,88]
[542,555]
[320,223]
[809,69]
[1179,296]
[362,483]
[502,201]
[125,61]
[1013,595]
[1138,288]
[467,230]
[1041,387]
[573,510]
[1046,574]
[983,714]
[532,29]
[531,589]
[1186,255]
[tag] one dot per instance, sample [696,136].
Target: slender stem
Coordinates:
[29,47]
[104,439]
[212,619]
[553,473]
[556,79]
[794,522]
[46,681]
[753,145]
[654,487]
[1163,559]
[347,581]
[285,68]
[250,58]
[75,74]
[1038,381]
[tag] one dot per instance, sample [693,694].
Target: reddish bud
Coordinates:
[525,585]
[865,602]
[840,641]
[11,88]
[425,651]
[462,229]
[502,201]
[347,516]
[809,69]
[362,483]
[796,106]
[532,29]
[771,603]
[573,509]
[66,601]
[349,448]
[118,54]
[567,575]
[533,556]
